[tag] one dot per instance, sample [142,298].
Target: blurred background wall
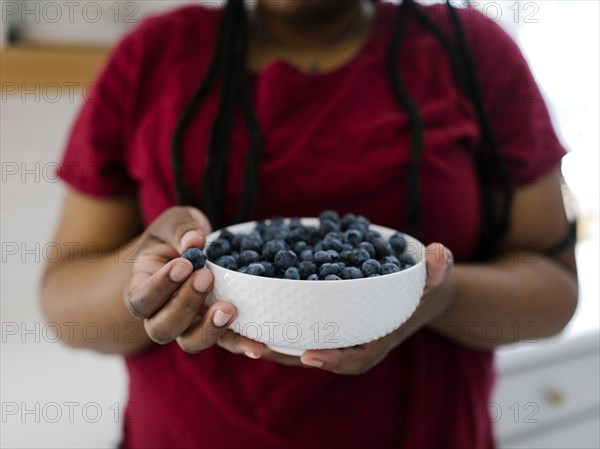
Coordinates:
[52,396]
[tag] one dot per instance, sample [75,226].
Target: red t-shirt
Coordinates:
[333,140]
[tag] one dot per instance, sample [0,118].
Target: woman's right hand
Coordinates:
[165,292]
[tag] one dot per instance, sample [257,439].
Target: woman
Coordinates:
[424,119]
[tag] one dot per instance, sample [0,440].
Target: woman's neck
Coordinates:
[334,24]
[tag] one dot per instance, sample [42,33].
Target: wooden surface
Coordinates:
[33,67]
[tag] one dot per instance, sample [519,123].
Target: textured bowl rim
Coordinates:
[315,220]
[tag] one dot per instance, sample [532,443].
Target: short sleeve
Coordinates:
[516,109]
[94,160]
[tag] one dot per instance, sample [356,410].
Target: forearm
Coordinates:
[512,299]
[85,299]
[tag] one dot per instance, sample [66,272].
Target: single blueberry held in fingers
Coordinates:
[292,273]
[368,247]
[389,268]
[351,273]
[370,267]
[196,256]
[358,257]
[218,248]
[333,277]
[256,269]
[398,242]
[247,257]
[228,262]
[284,259]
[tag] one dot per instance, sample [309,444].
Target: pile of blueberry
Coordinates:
[338,248]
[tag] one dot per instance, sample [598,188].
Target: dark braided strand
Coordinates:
[414,117]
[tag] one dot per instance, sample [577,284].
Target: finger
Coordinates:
[439,261]
[146,293]
[182,228]
[171,320]
[238,344]
[207,330]
[352,360]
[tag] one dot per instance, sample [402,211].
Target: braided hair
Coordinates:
[229,60]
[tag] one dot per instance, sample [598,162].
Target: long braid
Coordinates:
[501,224]
[414,117]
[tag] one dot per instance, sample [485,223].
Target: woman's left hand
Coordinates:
[437,296]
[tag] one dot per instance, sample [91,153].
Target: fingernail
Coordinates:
[202,280]
[251,354]
[221,318]
[180,271]
[188,237]
[315,362]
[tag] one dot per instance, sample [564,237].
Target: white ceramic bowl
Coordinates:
[292,316]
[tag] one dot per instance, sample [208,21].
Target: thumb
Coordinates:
[181,228]
[439,260]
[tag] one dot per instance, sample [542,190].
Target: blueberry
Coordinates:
[368,247]
[196,256]
[247,257]
[252,243]
[285,258]
[330,268]
[359,227]
[347,247]
[389,268]
[351,273]
[306,256]
[382,247]
[398,242]
[328,226]
[347,220]
[297,234]
[353,237]
[256,269]
[313,277]
[236,242]
[358,257]
[236,256]
[335,256]
[361,219]
[270,271]
[228,262]
[226,234]
[292,273]
[329,215]
[390,259]
[295,222]
[307,268]
[260,227]
[333,277]
[218,248]
[372,235]
[345,256]
[276,221]
[370,267]
[333,244]
[406,260]
[300,246]
[321,257]
[271,248]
